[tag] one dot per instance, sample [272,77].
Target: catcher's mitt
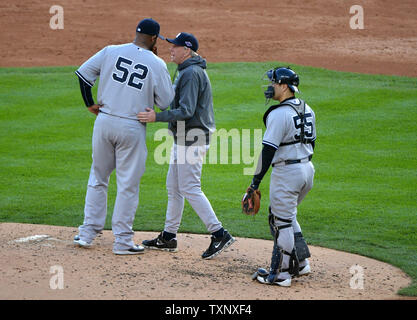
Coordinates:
[251,201]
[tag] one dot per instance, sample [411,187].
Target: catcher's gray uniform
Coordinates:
[288,145]
[131,79]
[293,172]
[289,183]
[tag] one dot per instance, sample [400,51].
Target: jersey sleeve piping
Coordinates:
[270,144]
[83,79]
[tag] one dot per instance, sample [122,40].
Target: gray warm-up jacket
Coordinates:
[192,104]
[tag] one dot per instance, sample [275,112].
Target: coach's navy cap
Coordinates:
[185,39]
[149,26]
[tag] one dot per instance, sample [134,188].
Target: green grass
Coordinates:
[363,201]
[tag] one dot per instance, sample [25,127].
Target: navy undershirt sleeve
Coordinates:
[86,93]
[264,163]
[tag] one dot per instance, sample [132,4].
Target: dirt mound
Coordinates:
[33,256]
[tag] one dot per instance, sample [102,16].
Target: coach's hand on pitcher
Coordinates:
[148,116]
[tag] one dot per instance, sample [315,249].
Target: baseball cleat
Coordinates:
[217,245]
[279,282]
[160,243]
[304,270]
[260,272]
[283,282]
[134,250]
[81,243]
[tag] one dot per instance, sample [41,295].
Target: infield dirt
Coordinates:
[97,273]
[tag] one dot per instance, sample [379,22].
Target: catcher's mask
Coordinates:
[280,75]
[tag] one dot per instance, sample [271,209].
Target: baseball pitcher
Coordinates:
[132,78]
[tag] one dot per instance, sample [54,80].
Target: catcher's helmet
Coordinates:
[284,75]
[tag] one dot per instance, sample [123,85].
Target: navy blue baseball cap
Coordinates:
[150,27]
[185,39]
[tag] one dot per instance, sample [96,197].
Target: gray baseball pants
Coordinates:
[288,187]
[117,144]
[183,182]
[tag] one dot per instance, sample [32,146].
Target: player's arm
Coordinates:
[187,104]
[87,95]
[313,142]
[164,92]
[271,140]
[264,162]
[86,92]
[87,74]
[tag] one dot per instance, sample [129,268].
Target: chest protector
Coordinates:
[301,114]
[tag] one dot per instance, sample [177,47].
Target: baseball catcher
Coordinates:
[288,145]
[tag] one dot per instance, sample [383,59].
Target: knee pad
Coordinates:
[273,226]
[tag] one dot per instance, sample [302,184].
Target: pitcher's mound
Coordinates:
[41,262]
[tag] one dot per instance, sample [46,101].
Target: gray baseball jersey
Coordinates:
[131,79]
[126,85]
[283,126]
